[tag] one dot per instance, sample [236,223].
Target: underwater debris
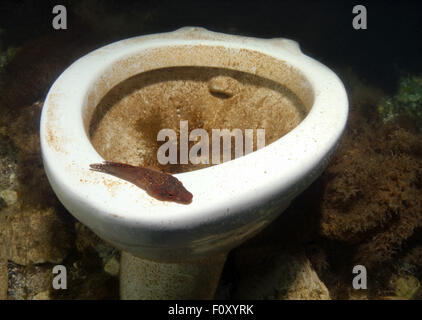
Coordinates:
[406,103]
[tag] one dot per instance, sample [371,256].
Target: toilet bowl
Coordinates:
[231,201]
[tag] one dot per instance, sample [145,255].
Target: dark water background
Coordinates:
[323,28]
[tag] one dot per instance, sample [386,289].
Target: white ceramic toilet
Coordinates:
[232,201]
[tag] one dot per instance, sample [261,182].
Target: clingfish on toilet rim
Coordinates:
[157,184]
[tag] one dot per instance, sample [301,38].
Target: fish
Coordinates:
[159,185]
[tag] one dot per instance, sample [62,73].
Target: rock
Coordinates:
[358,294]
[87,241]
[28,282]
[35,236]
[87,282]
[24,130]
[3,279]
[44,295]
[406,286]
[112,266]
[8,163]
[33,226]
[97,286]
[391,298]
[9,196]
[273,273]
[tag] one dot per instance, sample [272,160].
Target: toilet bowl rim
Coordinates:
[322,79]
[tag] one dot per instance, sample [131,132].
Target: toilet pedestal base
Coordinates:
[149,280]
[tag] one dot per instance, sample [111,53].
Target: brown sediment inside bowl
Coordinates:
[212,87]
[126,122]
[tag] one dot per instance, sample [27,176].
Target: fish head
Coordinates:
[173,190]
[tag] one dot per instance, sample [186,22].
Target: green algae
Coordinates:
[406,103]
[407,287]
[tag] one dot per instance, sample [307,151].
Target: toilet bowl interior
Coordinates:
[211,87]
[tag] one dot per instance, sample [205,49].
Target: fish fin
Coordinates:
[120,170]
[154,167]
[100,167]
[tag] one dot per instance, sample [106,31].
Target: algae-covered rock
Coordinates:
[358,294]
[34,228]
[35,236]
[407,102]
[9,196]
[406,286]
[8,163]
[273,273]
[44,295]
[112,266]
[27,282]
[3,278]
